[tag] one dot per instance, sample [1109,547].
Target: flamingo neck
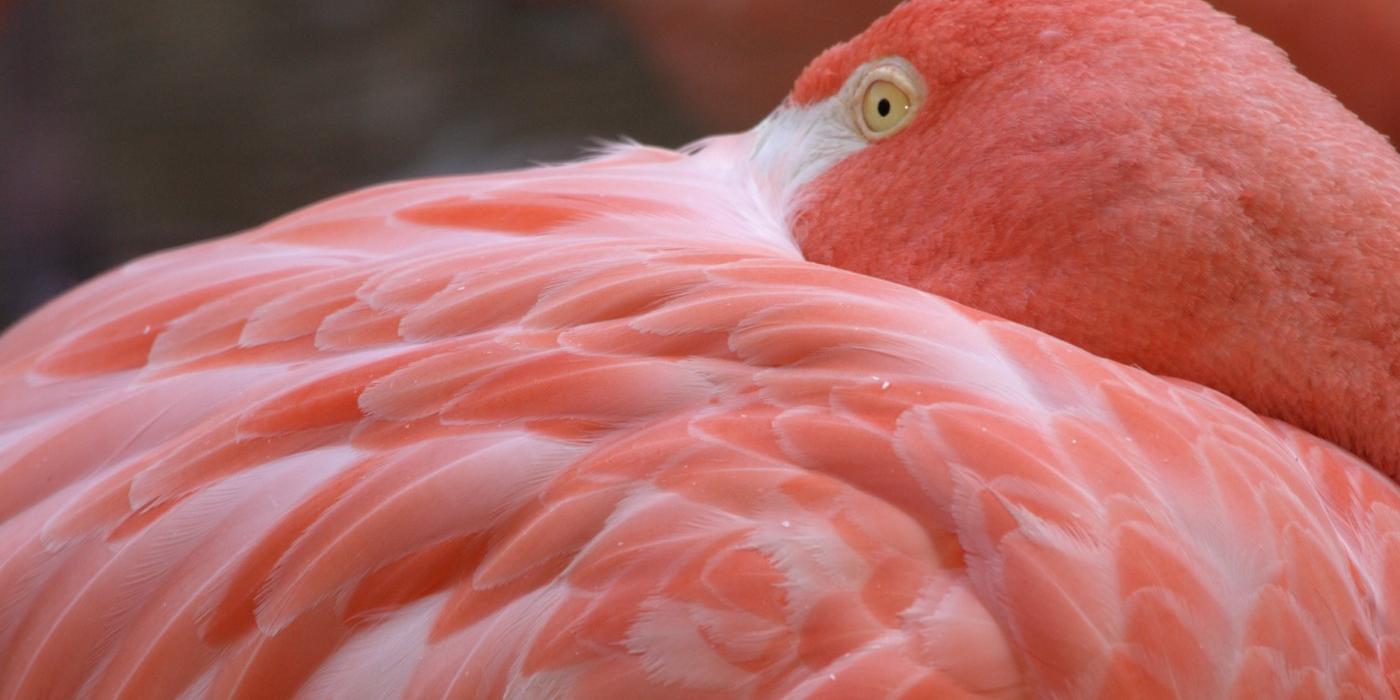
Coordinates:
[1323,352]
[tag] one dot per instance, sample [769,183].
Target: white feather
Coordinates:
[378,662]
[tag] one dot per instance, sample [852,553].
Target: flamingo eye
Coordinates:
[887,96]
[884,108]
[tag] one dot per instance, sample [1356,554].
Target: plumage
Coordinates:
[598,429]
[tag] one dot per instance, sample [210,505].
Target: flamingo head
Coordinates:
[1145,179]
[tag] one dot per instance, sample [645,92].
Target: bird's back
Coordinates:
[598,431]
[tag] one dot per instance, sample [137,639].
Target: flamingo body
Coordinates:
[520,435]
[599,430]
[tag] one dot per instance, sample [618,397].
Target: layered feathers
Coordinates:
[461,457]
[599,430]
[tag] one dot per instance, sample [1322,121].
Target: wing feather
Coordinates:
[415,499]
[523,435]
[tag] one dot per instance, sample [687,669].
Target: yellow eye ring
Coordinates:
[886,99]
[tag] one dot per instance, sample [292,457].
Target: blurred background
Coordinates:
[127,127]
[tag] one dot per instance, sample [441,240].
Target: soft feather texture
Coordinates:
[1145,179]
[661,465]
[519,435]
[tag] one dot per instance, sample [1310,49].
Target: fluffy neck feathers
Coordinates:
[1167,193]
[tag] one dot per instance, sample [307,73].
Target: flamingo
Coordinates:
[1028,349]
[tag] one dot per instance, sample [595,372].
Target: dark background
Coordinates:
[127,127]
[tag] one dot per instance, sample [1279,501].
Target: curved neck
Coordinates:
[1328,356]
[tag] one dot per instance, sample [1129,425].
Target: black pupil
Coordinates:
[884,107]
